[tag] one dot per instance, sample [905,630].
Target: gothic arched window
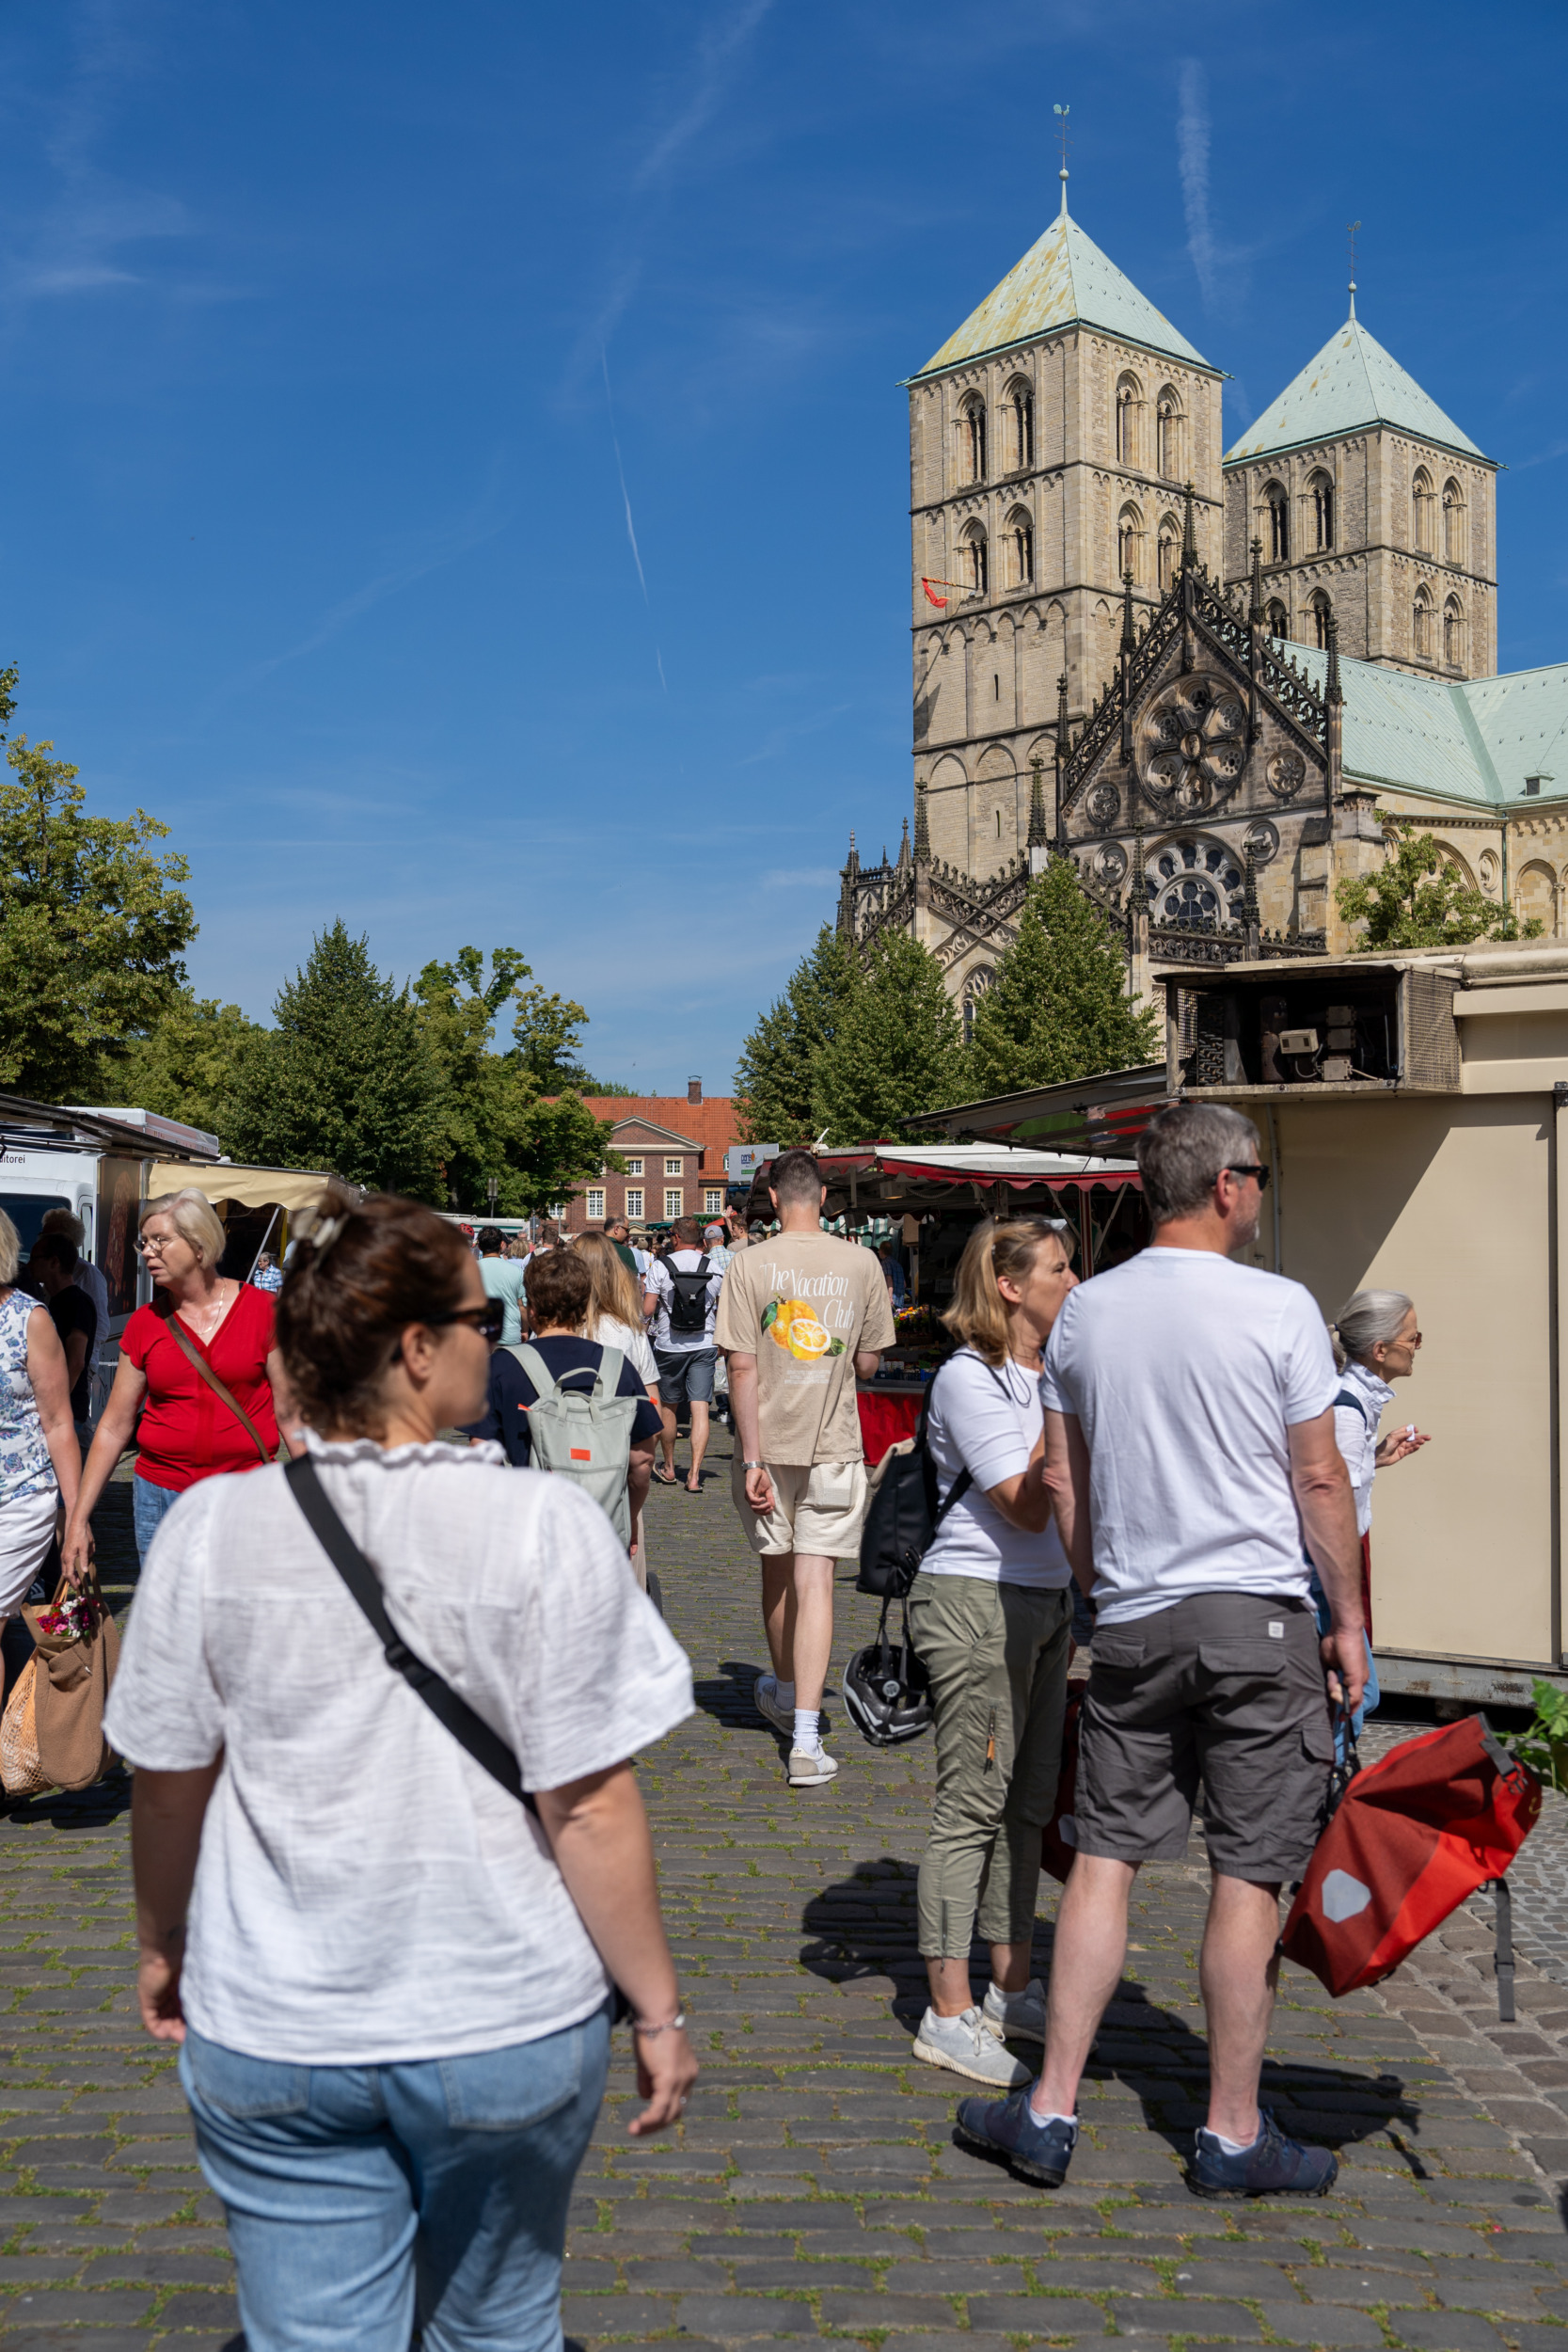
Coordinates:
[1170,540]
[1278,621]
[1422,629]
[975,987]
[1421,503]
[972,440]
[1020,428]
[1321,611]
[1453,523]
[1320,490]
[1280,523]
[1170,436]
[1129,398]
[1020,548]
[1453,633]
[1128,536]
[977,559]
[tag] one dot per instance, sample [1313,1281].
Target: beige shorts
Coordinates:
[819,1507]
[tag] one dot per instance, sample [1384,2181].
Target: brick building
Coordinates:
[673,1147]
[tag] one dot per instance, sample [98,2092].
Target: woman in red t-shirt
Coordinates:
[187,1432]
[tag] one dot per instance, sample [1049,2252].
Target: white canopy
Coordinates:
[290,1188]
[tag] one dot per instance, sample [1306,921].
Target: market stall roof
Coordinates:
[894,1177]
[290,1188]
[1106,1114]
[65,1127]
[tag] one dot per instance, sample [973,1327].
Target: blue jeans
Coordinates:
[355,2194]
[149,1504]
[1370,1696]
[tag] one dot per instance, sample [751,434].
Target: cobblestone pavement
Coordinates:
[813,2189]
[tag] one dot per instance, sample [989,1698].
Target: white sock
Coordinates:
[808,1739]
[784,1692]
[1051,2117]
[1232,2147]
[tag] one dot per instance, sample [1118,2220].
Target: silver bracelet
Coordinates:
[746,1466]
[671,2025]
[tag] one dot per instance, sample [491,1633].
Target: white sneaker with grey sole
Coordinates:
[765,1698]
[1016,2016]
[811,1768]
[963,2045]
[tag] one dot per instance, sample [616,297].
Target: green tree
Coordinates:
[92,924]
[497,1121]
[1058,1006]
[1417,900]
[897,1048]
[347,1080]
[186,1065]
[775,1079]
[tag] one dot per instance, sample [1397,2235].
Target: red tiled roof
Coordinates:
[710,1122]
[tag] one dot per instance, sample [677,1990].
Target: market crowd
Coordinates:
[383,1696]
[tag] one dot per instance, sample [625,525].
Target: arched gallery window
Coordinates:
[1421,503]
[1279,622]
[1321,492]
[1453,523]
[1129,395]
[1170,436]
[1020,428]
[1020,548]
[977,559]
[972,440]
[1128,536]
[975,987]
[1453,633]
[1280,523]
[1321,611]
[1421,625]
[1171,541]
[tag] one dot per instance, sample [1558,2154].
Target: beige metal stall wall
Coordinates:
[1450,1198]
[249,1187]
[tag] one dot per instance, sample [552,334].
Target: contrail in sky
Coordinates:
[1192,147]
[625,500]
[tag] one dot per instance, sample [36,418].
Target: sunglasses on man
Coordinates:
[1252,1167]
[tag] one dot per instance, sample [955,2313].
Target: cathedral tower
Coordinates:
[1051,439]
[1370,504]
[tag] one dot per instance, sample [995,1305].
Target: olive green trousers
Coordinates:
[997,1657]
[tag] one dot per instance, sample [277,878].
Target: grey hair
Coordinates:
[1181,1153]
[1364,1320]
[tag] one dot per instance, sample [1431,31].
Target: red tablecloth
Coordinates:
[885,1419]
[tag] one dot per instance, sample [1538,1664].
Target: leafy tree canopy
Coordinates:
[775,1079]
[186,1064]
[1058,1006]
[896,1047]
[92,924]
[1417,900]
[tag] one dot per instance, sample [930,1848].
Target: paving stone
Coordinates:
[615,2314]
[1331,2323]
[1226,2323]
[735,2315]
[1445,2331]
[1229,2275]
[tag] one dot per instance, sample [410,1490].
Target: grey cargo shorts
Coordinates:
[1223,1688]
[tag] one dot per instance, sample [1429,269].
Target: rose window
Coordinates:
[1195,882]
[1194,742]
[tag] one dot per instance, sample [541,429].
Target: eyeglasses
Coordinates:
[488,1320]
[1252,1168]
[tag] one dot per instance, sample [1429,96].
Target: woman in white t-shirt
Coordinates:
[991,1616]
[393,1995]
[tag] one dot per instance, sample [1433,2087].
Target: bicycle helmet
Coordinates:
[887,1691]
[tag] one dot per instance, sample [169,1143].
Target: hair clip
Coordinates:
[323,1233]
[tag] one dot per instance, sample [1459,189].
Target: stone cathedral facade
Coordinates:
[1203,674]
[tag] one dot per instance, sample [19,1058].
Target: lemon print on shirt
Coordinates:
[796,1328]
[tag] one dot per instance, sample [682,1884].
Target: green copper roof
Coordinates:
[1351,382]
[1476,741]
[1063,279]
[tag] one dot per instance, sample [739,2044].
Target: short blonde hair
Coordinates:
[10,1249]
[194,1218]
[978,1316]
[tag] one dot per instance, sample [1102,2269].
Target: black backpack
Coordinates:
[688,1298]
[904,1515]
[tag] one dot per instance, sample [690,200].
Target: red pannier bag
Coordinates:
[1411,1836]
[1059,1837]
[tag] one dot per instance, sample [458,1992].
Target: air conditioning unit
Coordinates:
[1346,1024]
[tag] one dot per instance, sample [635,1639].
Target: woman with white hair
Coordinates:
[40,1458]
[201,1366]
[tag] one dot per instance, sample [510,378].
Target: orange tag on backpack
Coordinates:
[582,1453]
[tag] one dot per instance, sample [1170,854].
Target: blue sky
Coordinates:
[345,352]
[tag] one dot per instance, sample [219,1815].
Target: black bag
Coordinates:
[904,1515]
[688,1298]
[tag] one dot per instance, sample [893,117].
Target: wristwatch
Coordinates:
[745,1466]
[671,2025]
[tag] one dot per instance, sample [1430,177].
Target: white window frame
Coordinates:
[634,1202]
[634,1166]
[594,1205]
[674,1166]
[674,1201]
[713,1199]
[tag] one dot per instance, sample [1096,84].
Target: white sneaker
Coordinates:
[963,2045]
[1016,2016]
[811,1768]
[765,1698]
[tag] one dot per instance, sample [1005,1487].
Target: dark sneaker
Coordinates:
[1274,2166]
[1005,2127]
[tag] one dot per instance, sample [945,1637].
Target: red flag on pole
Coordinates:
[931,596]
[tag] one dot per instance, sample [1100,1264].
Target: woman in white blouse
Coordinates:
[991,1616]
[393,1990]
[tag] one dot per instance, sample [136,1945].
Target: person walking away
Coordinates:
[893,1274]
[683,1299]
[991,1612]
[715,1246]
[211,1329]
[503,1279]
[1189,1430]
[1375,1343]
[52,1261]
[90,1279]
[615,1320]
[267,1274]
[560,1288]
[391,1995]
[619,1235]
[40,1463]
[802,1317]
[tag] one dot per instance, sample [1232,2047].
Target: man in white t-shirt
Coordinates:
[683,1313]
[1189,1419]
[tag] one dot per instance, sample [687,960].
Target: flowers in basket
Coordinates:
[72,1618]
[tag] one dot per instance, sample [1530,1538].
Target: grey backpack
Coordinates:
[584,1434]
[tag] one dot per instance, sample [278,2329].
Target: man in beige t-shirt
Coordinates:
[802,1315]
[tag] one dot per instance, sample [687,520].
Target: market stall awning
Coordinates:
[290,1188]
[893,1179]
[1101,1115]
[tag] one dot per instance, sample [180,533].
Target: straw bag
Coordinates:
[52,1732]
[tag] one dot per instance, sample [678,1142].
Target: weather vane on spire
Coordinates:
[1062,113]
[1352,227]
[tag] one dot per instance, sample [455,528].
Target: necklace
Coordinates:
[205,1322]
